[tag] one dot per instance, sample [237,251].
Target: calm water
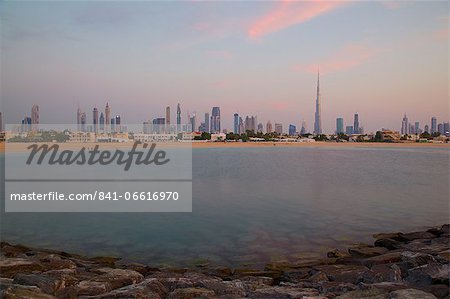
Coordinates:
[254,205]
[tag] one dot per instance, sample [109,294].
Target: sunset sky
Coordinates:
[380,59]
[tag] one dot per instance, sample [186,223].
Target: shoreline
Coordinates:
[397,265]
[20,147]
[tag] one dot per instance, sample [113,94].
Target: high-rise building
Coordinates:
[260,128]
[113,124]
[168,115]
[356,124]
[241,125]
[339,125]
[79,115]
[318,115]
[446,128]
[269,128]
[215,120]
[35,117]
[303,129]
[1,122]
[192,121]
[348,130]
[292,130]
[118,126]
[178,114]
[416,128]
[250,123]
[207,122]
[83,121]
[426,129]
[411,129]
[433,125]
[107,116]
[102,121]
[278,128]
[95,119]
[440,128]
[236,123]
[405,125]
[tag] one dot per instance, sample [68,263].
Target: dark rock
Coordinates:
[233,288]
[388,258]
[390,244]
[445,229]
[117,278]
[253,272]
[319,276]
[382,272]
[336,253]
[410,294]
[415,259]
[387,286]
[107,261]
[54,262]
[366,251]
[418,235]
[371,293]
[12,266]
[222,272]
[189,293]
[336,287]
[283,292]
[433,273]
[342,273]
[141,268]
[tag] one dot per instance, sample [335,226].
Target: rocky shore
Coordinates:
[398,265]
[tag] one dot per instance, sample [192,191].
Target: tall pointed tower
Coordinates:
[318,115]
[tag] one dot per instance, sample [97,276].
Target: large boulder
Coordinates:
[411,294]
[9,267]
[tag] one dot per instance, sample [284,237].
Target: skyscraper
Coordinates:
[192,120]
[269,128]
[433,125]
[118,128]
[207,122]
[339,125]
[356,124]
[426,129]
[250,123]
[303,129]
[260,128]
[241,125]
[1,122]
[83,121]
[79,115]
[348,130]
[318,115]
[35,117]
[292,130]
[278,128]
[168,115]
[405,125]
[416,127]
[95,119]
[102,121]
[236,123]
[107,117]
[178,114]
[215,120]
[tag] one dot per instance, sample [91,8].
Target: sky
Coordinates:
[379,59]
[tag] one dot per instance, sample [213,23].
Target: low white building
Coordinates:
[218,137]
[155,137]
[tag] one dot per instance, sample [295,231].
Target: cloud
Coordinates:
[348,57]
[288,13]
[441,34]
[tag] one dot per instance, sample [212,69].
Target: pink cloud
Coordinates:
[288,13]
[441,34]
[220,54]
[348,57]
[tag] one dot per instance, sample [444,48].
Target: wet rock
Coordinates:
[222,272]
[12,266]
[9,250]
[382,272]
[336,287]
[283,292]
[418,235]
[253,283]
[319,276]
[394,236]
[189,293]
[336,253]
[445,229]
[388,258]
[410,294]
[233,288]
[141,268]
[371,293]
[431,273]
[387,286]
[444,255]
[107,261]
[253,272]
[24,292]
[388,243]
[366,251]
[295,275]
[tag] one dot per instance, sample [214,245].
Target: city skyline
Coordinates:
[111,51]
